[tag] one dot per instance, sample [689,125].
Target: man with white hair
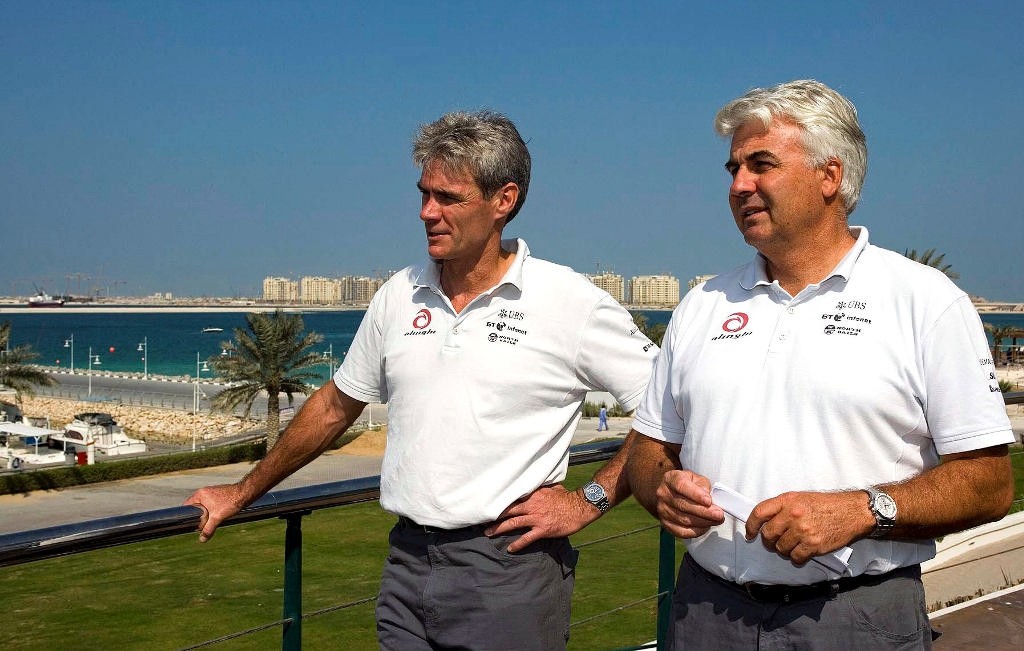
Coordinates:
[818,416]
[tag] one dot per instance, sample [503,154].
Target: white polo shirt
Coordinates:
[482,405]
[863,379]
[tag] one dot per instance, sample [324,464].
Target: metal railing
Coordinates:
[291,505]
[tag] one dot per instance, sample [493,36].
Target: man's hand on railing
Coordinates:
[548,512]
[217,503]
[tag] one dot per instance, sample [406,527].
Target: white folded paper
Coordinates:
[739,506]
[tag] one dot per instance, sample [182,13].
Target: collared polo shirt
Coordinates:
[482,404]
[863,379]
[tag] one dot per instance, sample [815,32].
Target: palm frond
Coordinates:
[272,355]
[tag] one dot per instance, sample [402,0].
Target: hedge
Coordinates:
[55,478]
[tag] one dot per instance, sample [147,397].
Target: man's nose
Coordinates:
[742,183]
[430,210]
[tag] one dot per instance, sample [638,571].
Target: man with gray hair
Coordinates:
[484,355]
[800,407]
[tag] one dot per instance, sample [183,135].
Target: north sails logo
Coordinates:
[733,325]
[420,323]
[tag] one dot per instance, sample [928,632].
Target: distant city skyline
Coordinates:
[194,149]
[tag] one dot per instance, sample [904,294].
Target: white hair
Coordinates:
[827,119]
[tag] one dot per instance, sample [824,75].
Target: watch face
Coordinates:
[885,506]
[593,492]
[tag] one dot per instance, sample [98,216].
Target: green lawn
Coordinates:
[1017,458]
[173,593]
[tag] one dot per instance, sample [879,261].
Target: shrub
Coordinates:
[54,478]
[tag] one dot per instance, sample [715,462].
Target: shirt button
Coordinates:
[782,337]
[455,331]
[790,310]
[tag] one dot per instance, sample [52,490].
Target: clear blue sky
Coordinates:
[196,147]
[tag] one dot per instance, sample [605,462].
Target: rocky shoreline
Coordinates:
[148,423]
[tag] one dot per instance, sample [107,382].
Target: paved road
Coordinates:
[80,503]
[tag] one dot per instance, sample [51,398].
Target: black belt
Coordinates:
[772,593]
[406,523]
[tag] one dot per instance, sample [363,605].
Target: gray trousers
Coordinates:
[462,590]
[709,614]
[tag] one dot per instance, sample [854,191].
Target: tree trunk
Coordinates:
[273,418]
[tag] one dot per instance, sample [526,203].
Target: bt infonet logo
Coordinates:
[422,319]
[732,326]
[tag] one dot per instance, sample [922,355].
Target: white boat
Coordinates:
[213,329]
[98,431]
[42,299]
[23,445]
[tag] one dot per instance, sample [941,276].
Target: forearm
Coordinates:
[646,464]
[323,418]
[964,491]
[612,475]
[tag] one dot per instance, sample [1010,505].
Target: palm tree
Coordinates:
[929,259]
[272,356]
[654,332]
[16,368]
[998,333]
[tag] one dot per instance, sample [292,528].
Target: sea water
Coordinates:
[173,339]
[169,341]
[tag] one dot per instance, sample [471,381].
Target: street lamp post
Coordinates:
[329,356]
[144,349]
[195,399]
[94,360]
[70,343]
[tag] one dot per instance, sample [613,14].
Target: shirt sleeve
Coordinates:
[361,375]
[964,407]
[658,416]
[613,355]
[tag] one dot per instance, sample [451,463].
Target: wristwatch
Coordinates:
[883,507]
[594,493]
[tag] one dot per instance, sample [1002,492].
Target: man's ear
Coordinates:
[831,179]
[505,199]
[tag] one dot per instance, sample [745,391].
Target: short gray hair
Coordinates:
[827,119]
[484,143]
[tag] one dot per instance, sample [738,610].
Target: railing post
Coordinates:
[291,635]
[666,585]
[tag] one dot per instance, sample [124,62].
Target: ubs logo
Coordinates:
[736,322]
[422,319]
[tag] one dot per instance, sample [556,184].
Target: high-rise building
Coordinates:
[659,290]
[696,280]
[611,283]
[318,290]
[280,290]
[359,289]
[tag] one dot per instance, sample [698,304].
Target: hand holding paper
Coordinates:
[739,506]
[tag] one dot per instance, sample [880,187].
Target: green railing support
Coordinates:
[291,635]
[666,585]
